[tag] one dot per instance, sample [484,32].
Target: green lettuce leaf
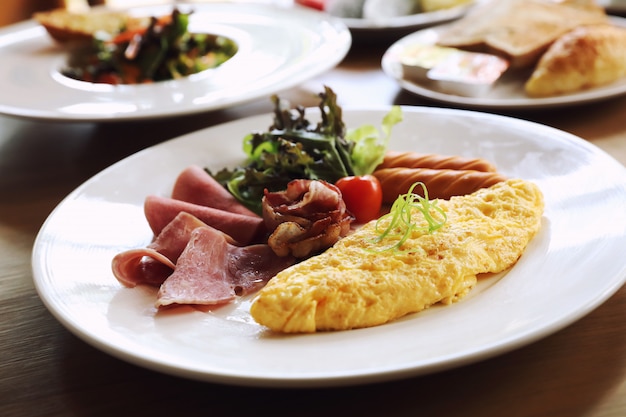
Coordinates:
[295,148]
[369,146]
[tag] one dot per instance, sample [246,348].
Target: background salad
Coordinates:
[162,50]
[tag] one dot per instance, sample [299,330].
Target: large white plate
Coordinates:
[280,47]
[573,265]
[507,93]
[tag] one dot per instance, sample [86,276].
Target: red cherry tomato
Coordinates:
[315,4]
[363,196]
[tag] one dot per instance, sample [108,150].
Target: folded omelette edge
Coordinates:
[354,285]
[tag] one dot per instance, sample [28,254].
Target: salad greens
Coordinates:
[296,148]
[164,50]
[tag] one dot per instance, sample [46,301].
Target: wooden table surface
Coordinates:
[47,371]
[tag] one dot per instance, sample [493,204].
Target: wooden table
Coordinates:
[47,371]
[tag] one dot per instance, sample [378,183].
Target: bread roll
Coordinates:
[588,56]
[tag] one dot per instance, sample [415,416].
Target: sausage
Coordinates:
[440,183]
[395,159]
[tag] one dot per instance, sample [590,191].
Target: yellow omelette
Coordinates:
[360,283]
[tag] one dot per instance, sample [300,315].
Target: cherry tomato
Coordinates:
[315,4]
[363,196]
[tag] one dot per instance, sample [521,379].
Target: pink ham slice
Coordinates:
[173,239]
[195,185]
[212,271]
[141,266]
[153,264]
[244,229]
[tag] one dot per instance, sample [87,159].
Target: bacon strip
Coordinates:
[306,218]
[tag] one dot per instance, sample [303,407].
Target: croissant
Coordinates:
[440,183]
[396,159]
[588,56]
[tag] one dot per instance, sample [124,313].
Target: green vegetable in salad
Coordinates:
[402,223]
[296,148]
[163,50]
[369,148]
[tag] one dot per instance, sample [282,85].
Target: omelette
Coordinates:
[365,281]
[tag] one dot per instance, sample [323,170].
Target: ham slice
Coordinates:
[244,229]
[207,249]
[195,185]
[153,264]
[141,266]
[212,271]
[174,237]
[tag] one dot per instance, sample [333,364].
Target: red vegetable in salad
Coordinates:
[314,4]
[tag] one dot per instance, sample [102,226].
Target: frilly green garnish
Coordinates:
[402,223]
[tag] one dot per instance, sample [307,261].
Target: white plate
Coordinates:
[573,265]
[410,22]
[279,48]
[508,92]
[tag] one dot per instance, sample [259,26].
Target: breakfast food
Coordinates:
[358,283]
[206,250]
[67,26]
[434,5]
[395,159]
[306,218]
[568,45]
[588,56]
[441,183]
[113,47]
[520,30]
[419,58]
[469,74]
[297,148]
[211,270]
[326,269]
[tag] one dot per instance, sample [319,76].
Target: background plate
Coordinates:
[573,265]
[410,22]
[507,93]
[279,48]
